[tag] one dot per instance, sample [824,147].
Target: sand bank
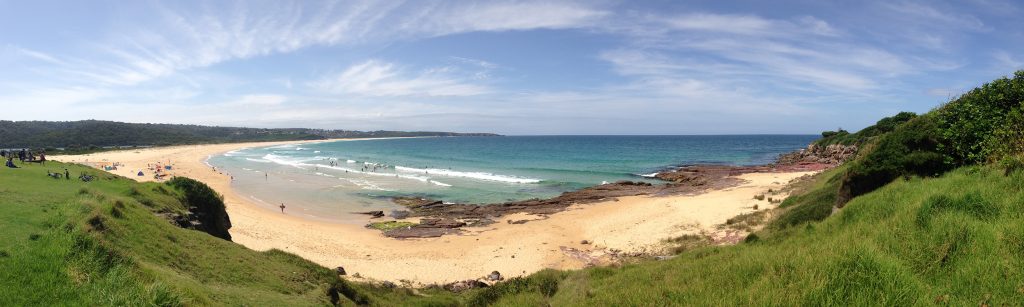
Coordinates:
[630,224]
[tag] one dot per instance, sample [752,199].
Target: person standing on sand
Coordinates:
[282,208]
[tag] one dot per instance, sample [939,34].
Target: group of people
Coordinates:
[23,155]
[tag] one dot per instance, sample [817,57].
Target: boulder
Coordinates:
[340,270]
[495,276]
[399,214]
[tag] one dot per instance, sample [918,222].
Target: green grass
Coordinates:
[956,240]
[390,225]
[68,242]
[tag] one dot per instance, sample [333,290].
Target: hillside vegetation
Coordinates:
[82,135]
[108,242]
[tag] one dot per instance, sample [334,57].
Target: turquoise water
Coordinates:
[331,180]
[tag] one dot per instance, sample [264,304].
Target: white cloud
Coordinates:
[1008,61]
[259,100]
[377,78]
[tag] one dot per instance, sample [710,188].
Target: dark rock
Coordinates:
[584,242]
[374,214]
[416,202]
[464,285]
[440,223]
[399,214]
[495,276]
[388,284]
[340,270]
[419,232]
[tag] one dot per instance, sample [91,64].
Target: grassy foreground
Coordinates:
[957,239]
[69,242]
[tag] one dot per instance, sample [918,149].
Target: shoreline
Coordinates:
[626,224]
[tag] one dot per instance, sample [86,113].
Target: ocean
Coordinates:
[329,181]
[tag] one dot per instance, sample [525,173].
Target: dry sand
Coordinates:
[630,224]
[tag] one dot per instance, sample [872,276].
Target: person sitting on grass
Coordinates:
[10,163]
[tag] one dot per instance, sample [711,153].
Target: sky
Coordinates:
[509,67]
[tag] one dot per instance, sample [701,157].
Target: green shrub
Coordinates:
[969,121]
[883,126]
[1008,138]
[1012,164]
[911,149]
[208,205]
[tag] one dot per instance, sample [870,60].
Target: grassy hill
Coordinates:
[102,242]
[930,212]
[86,134]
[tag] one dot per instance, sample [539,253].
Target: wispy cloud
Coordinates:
[377,78]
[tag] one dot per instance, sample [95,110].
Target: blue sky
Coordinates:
[512,67]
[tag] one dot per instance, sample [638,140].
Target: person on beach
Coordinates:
[282,208]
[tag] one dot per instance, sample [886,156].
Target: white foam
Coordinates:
[232,153]
[350,161]
[325,175]
[284,161]
[365,184]
[651,175]
[440,183]
[417,178]
[258,160]
[471,175]
[316,151]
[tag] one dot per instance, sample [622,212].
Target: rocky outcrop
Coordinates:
[834,154]
[710,176]
[427,228]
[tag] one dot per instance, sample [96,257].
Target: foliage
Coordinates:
[969,122]
[881,127]
[982,125]
[1008,139]
[93,135]
[206,204]
[912,149]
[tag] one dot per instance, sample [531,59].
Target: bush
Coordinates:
[968,122]
[206,204]
[1008,138]
[911,149]
[883,126]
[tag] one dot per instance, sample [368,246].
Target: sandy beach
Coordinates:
[630,224]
